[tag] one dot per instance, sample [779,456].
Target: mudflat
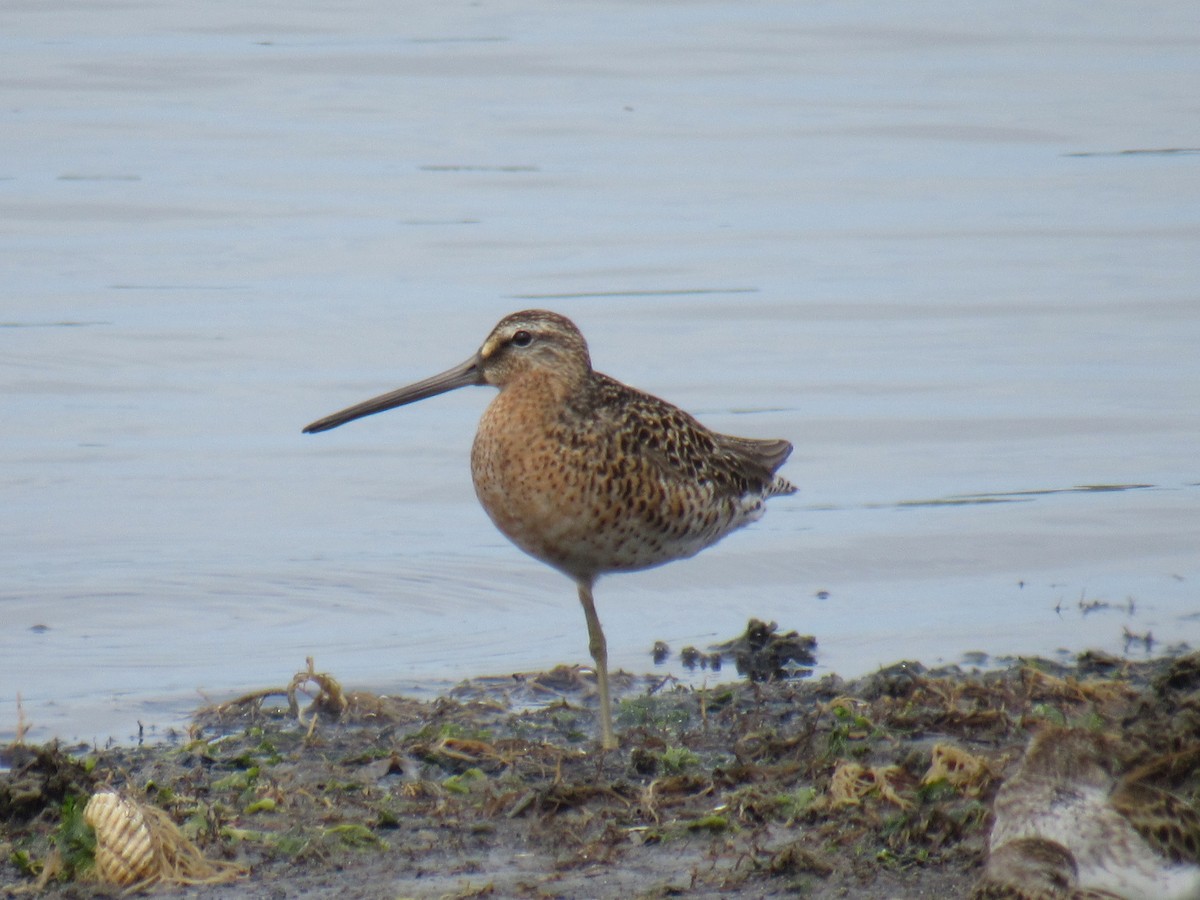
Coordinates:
[873,788]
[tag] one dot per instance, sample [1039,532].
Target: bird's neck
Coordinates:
[552,389]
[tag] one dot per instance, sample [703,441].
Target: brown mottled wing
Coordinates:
[683,449]
[1153,798]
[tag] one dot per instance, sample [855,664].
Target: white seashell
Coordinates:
[125,852]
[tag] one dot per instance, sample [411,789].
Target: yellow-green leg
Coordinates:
[599,650]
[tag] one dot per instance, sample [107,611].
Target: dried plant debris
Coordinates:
[34,779]
[852,783]
[879,787]
[763,654]
[760,653]
[330,703]
[962,770]
[138,846]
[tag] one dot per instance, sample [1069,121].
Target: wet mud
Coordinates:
[772,787]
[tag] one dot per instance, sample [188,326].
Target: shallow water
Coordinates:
[910,240]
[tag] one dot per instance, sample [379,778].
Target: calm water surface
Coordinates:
[912,240]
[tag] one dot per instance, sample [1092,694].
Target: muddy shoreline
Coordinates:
[793,787]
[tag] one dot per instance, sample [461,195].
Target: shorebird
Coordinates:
[1034,869]
[1071,824]
[588,475]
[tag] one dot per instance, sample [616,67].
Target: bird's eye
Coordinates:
[522,339]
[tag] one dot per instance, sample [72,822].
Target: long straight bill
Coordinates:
[461,375]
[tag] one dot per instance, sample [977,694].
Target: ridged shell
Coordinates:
[125,852]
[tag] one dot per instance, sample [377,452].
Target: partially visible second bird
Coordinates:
[1072,824]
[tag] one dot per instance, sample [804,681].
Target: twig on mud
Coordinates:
[330,697]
